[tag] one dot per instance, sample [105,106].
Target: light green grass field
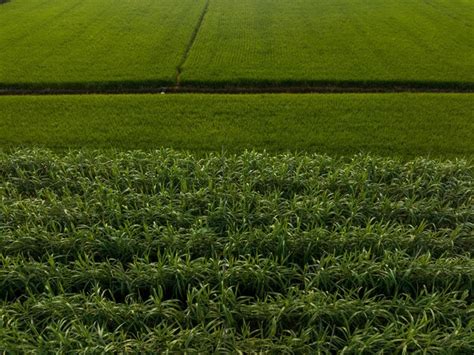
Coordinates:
[95,43]
[388,124]
[383,42]
[130,44]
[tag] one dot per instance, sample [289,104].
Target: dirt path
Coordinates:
[321,89]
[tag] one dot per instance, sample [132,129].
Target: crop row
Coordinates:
[253,275]
[141,241]
[218,320]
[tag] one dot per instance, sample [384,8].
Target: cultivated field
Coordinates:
[287,190]
[167,251]
[405,125]
[304,42]
[94,43]
[100,44]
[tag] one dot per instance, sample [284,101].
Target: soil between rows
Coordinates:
[110,88]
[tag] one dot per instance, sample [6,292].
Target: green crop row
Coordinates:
[166,251]
[216,320]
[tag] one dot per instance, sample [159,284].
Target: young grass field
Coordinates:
[94,43]
[307,42]
[166,251]
[99,44]
[405,125]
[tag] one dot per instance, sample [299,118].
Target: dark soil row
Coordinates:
[328,87]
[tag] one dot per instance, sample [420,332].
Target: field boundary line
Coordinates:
[192,40]
[323,89]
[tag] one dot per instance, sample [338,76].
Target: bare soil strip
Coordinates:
[323,89]
[191,42]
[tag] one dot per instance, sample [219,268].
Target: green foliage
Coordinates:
[307,42]
[94,43]
[405,125]
[166,251]
[120,45]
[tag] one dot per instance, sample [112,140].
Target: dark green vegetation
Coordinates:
[94,43]
[404,125]
[124,45]
[166,251]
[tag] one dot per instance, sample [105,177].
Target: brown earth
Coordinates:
[231,90]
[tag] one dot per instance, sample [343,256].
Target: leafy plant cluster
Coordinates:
[168,251]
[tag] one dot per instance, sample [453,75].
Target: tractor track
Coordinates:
[192,40]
